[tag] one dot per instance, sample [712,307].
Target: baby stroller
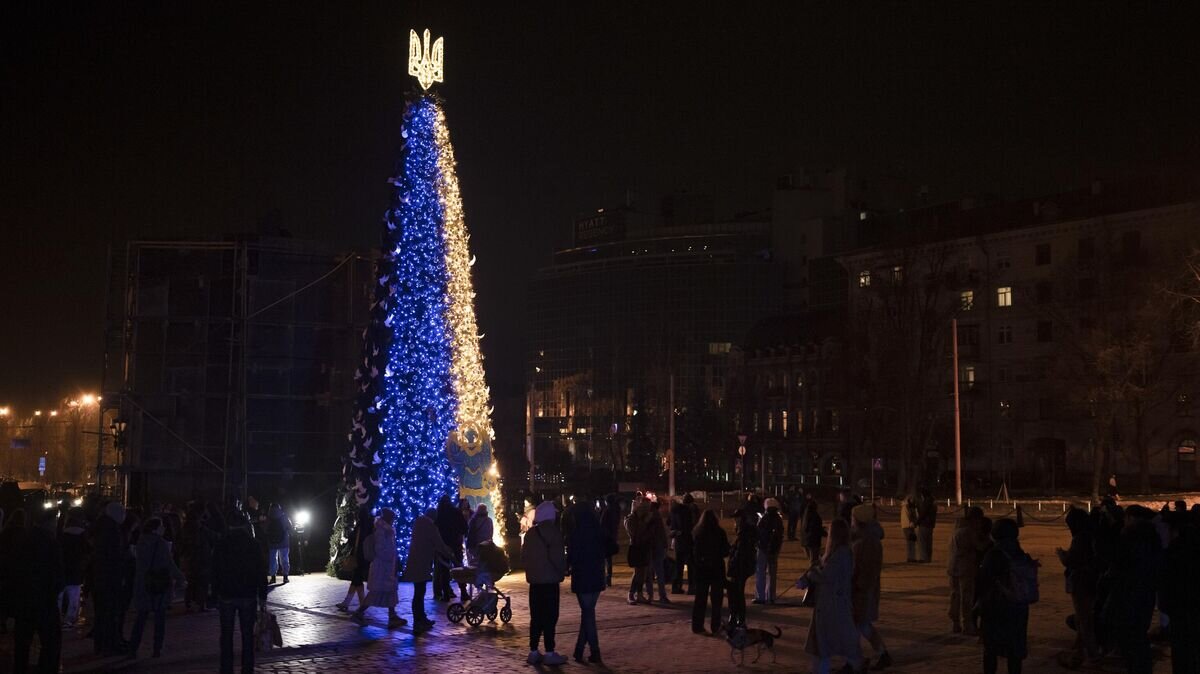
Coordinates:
[486,602]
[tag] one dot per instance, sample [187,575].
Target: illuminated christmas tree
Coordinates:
[422,420]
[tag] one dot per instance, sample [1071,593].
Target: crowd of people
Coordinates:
[130,563]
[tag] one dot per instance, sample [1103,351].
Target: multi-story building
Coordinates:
[642,304]
[231,365]
[1059,378]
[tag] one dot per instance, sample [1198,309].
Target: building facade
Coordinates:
[1070,358]
[640,312]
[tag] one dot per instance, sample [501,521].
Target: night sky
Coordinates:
[194,119]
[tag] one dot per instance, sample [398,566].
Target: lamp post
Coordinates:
[742,462]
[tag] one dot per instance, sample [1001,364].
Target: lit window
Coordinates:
[783,425]
[1003,262]
[1004,335]
[897,274]
[1004,296]
[864,278]
[967,299]
[755,427]
[966,377]
[862,215]
[799,421]
[1002,375]
[718,348]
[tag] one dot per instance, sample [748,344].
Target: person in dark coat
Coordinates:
[239,580]
[279,542]
[37,566]
[1181,593]
[1082,572]
[795,510]
[770,542]
[743,560]
[10,537]
[364,525]
[110,553]
[710,547]
[682,520]
[813,529]
[610,524]
[1004,622]
[587,549]
[867,548]
[198,539]
[1135,577]
[152,584]
[453,528]
[75,550]
[926,520]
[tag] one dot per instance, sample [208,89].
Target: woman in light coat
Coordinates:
[380,546]
[832,630]
[908,527]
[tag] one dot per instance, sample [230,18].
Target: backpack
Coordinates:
[1022,579]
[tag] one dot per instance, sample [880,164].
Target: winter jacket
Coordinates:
[908,514]
[586,552]
[37,573]
[479,529]
[926,511]
[451,526]
[1080,563]
[868,564]
[153,554]
[813,529]
[770,532]
[832,630]
[381,576]
[1004,623]
[110,552]
[682,520]
[542,554]
[656,532]
[743,558]
[425,549]
[279,528]
[709,550]
[75,549]
[965,548]
[238,568]
[610,521]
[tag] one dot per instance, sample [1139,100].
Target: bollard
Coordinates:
[968,503]
[991,504]
[1039,506]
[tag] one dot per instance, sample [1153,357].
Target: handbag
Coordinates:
[266,631]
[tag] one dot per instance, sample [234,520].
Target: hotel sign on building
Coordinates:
[601,227]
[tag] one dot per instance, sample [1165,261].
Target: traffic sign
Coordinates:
[877,464]
[41,465]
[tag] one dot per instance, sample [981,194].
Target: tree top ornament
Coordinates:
[424,64]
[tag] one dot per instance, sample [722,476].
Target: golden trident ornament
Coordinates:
[424,65]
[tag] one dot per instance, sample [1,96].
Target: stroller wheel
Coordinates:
[506,614]
[491,616]
[474,618]
[455,612]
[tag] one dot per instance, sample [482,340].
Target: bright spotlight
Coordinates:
[301,519]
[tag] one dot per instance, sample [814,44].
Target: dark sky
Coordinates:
[192,119]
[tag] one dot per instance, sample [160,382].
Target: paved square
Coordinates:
[634,639]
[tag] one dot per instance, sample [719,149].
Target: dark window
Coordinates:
[1045,408]
[1131,245]
[1085,326]
[1004,335]
[1045,292]
[1045,331]
[1087,249]
[968,335]
[1042,254]
[1002,375]
[1087,288]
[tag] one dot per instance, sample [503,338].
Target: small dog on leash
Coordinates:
[741,637]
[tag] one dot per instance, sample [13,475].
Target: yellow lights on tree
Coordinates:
[423,63]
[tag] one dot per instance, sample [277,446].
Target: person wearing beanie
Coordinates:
[545,567]
[867,548]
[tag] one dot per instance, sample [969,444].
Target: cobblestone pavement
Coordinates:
[634,639]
